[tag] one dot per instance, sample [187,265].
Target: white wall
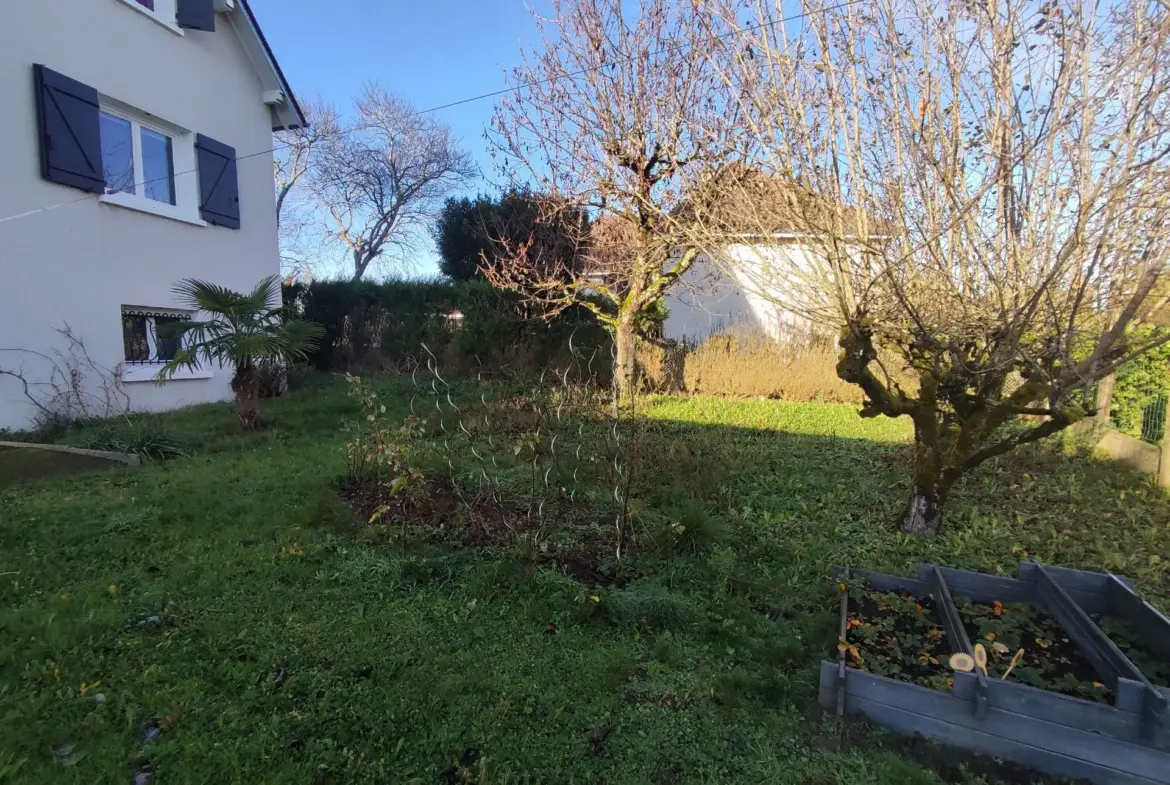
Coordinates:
[79,263]
[732,297]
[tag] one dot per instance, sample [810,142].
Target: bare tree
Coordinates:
[294,158]
[622,112]
[382,178]
[986,188]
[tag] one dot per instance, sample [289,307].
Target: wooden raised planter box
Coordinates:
[1127,742]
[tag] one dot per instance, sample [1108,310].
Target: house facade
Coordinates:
[137,152]
[743,294]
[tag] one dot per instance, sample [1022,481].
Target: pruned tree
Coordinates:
[622,112]
[294,158]
[985,190]
[382,178]
[473,234]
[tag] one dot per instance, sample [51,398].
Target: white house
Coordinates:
[743,294]
[137,152]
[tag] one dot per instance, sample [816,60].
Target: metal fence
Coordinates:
[1154,420]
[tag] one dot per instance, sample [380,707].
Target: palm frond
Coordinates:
[243,331]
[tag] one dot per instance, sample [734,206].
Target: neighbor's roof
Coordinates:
[745,201]
[287,114]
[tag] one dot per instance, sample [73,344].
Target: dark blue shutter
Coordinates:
[219,189]
[70,133]
[196,15]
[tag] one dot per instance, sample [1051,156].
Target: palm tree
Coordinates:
[244,331]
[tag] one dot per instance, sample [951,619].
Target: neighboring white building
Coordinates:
[119,176]
[744,294]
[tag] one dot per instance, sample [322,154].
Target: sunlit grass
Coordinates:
[821,419]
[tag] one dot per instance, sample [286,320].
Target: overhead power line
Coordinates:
[460,102]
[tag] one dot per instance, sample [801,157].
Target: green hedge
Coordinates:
[472,327]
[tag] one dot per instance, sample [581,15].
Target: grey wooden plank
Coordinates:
[982,588]
[1089,589]
[957,637]
[957,634]
[1131,695]
[880,581]
[1067,577]
[1087,746]
[1108,660]
[1113,665]
[827,690]
[1074,713]
[993,743]
[1085,715]
[1124,603]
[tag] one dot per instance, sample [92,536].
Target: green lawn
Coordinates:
[229,599]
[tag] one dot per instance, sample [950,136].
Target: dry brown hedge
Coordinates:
[748,364]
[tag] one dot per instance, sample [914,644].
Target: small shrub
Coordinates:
[145,437]
[379,454]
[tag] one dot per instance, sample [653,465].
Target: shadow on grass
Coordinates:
[287,641]
[21,464]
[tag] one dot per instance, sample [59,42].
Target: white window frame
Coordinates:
[185,180]
[147,371]
[165,13]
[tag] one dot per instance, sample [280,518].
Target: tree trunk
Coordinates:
[625,366]
[1104,402]
[246,386]
[923,514]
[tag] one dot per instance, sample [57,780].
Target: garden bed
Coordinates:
[1155,665]
[897,634]
[1050,659]
[1074,705]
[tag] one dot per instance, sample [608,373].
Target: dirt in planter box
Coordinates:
[1155,666]
[898,635]
[1051,659]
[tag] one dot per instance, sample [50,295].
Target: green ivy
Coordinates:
[1140,383]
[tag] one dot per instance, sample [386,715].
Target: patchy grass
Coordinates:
[239,628]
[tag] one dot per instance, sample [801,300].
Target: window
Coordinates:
[137,159]
[141,337]
[161,11]
[147,163]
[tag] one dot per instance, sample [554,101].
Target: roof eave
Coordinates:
[286,115]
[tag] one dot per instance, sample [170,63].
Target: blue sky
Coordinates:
[431,52]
